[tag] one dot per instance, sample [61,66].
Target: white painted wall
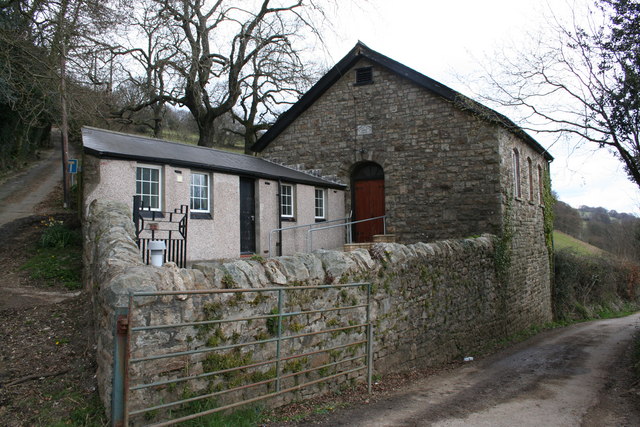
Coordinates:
[266,216]
[219,236]
[295,240]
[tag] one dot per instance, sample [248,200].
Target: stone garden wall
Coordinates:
[432,303]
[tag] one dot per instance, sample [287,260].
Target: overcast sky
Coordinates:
[449,39]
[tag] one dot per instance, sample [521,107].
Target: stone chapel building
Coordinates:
[436,163]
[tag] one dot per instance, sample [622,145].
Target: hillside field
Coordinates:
[564,241]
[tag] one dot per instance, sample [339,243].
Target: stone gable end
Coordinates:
[435,156]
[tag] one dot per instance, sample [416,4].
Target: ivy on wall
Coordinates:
[548,200]
[502,242]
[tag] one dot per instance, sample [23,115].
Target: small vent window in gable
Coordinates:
[364,76]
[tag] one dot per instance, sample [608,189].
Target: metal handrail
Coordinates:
[291,227]
[174,231]
[349,240]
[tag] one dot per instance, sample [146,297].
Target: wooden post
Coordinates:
[65,129]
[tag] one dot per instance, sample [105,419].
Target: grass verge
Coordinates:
[89,415]
[249,416]
[58,256]
[635,356]
[55,266]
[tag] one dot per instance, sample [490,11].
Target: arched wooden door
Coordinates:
[367,183]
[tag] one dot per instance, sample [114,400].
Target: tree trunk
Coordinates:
[158,119]
[207,132]
[249,140]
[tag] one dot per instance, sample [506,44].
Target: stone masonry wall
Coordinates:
[441,163]
[527,268]
[432,303]
[448,172]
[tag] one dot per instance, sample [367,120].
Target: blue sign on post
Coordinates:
[73,165]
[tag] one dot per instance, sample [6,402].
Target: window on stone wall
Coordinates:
[540,185]
[286,200]
[516,173]
[148,186]
[530,172]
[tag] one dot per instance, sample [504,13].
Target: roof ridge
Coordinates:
[304,171]
[360,50]
[119,145]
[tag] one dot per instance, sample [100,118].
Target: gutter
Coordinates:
[319,182]
[279,201]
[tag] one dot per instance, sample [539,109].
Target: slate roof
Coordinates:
[115,145]
[362,51]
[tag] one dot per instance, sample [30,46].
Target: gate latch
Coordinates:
[122,326]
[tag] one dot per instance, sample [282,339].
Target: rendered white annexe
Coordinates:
[235,201]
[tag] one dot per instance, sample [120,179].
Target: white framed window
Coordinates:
[320,204]
[517,192]
[287,199]
[149,186]
[200,194]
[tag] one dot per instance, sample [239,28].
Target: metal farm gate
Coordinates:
[169,227]
[182,355]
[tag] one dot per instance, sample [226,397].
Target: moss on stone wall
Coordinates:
[430,304]
[549,202]
[503,243]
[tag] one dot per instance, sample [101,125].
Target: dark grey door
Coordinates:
[247,216]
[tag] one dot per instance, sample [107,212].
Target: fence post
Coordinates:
[369,340]
[118,392]
[137,204]
[278,349]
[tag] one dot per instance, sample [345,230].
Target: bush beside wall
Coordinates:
[588,286]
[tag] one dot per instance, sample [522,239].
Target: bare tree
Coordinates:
[34,36]
[142,57]
[276,78]
[220,59]
[575,79]
[221,40]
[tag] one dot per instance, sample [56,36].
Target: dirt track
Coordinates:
[47,365]
[19,194]
[575,376]
[21,197]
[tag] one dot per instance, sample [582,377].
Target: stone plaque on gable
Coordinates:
[364,130]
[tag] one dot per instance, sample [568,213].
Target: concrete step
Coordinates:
[378,238]
[348,247]
[384,238]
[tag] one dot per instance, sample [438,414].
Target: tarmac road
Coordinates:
[573,376]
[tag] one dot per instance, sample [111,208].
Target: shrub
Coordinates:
[585,285]
[57,235]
